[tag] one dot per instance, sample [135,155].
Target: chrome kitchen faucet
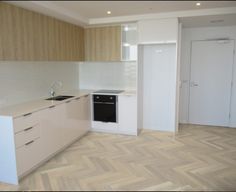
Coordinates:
[52,88]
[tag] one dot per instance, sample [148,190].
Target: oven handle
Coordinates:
[106,103]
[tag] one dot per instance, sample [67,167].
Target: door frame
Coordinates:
[233,68]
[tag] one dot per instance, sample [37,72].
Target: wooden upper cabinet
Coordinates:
[103,43]
[30,36]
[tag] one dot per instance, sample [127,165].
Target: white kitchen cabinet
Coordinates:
[127,114]
[86,114]
[52,124]
[77,119]
[73,115]
[28,142]
[159,74]
[129,42]
[29,155]
[158,31]
[26,121]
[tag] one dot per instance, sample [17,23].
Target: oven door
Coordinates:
[104,110]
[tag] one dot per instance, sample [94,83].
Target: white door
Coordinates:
[159,87]
[210,84]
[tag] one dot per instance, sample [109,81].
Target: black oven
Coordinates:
[104,108]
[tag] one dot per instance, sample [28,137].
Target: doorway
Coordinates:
[210,88]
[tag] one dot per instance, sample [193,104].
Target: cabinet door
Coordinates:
[29,36]
[52,123]
[73,115]
[28,142]
[86,117]
[127,107]
[157,31]
[129,42]
[28,156]
[103,43]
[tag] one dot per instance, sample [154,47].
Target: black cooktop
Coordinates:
[109,91]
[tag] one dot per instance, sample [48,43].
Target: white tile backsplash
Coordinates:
[24,81]
[107,75]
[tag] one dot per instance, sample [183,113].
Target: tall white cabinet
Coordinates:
[158,74]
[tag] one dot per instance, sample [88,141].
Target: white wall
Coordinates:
[108,75]
[189,34]
[24,81]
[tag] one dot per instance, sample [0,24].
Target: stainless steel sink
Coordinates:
[60,97]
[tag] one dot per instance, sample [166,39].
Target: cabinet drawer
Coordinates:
[27,135]
[103,126]
[28,156]
[26,121]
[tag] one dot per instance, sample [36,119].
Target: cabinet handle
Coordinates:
[78,98]
[28,114]
[29,143]
[68,101]
[51,107]
[27,129]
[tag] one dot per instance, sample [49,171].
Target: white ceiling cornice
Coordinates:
[49,8]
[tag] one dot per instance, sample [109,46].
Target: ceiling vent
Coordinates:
[217,21]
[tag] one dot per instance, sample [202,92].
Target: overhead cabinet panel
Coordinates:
[29,36]
[103,43]
[158,31]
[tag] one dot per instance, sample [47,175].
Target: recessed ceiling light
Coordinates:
[126,44]
[198,4]
[108,12]
[126,28]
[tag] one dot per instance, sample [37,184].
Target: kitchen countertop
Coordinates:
[39,104]
[125,92]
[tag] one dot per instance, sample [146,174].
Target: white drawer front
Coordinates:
[24,122]
[103,126]
[27,135]
[28,156]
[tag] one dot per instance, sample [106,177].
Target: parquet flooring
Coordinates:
[197,158]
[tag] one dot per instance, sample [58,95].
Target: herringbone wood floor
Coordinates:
[197,158]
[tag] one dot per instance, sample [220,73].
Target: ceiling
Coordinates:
[209,21]
[98,9]
[95,12]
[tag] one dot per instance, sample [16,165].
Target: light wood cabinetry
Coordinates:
[103,43]
[30,36]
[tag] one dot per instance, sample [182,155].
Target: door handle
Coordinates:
[193,84]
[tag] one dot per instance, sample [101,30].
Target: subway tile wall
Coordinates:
[108,75]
